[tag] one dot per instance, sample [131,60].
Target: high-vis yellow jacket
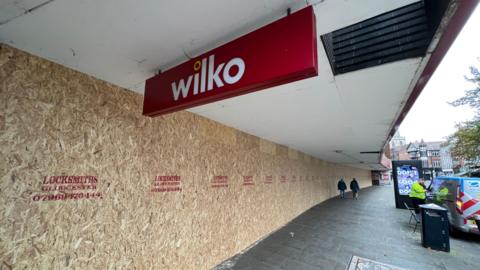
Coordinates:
[417,191]
[442,194]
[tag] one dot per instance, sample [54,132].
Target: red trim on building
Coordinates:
[464,10]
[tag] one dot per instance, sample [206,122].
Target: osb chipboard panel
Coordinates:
[226,188]
[293,154]
[268,147]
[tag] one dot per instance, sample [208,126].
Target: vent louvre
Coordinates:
[403,33]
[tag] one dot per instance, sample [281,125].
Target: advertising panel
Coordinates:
[405,173]
[472,187]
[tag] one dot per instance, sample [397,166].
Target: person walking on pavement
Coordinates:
[355,188]
[417,195]
[342,186]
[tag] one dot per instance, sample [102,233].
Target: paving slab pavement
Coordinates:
[330,233]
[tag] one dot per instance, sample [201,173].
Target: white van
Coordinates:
[461,196]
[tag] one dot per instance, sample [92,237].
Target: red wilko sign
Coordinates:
[281,52]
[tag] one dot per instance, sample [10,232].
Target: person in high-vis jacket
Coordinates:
[442,195]
[418,194]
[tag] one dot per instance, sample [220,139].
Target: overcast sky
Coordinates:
[431,118]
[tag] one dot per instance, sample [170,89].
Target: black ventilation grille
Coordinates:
[403,33]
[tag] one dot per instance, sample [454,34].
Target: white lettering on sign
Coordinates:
[209,77]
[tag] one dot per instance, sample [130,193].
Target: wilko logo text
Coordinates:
[210,77]
[281,52]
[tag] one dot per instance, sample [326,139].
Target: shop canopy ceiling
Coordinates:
[344,118]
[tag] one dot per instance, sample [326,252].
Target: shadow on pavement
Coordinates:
[459,235]
[327,236]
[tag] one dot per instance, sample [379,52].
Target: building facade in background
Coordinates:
[447,161]
[436,156]
[429,154]
[398,140]
[398,147]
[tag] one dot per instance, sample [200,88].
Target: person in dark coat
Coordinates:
[355,188]
[342,186]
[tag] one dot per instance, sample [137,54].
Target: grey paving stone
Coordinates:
[288,252]
[267,256]
[296,243]
[327,235]
[298,265]
[323,258]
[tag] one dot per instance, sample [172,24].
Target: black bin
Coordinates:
[435,227]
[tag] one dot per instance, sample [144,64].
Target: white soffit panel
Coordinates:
[125,42]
